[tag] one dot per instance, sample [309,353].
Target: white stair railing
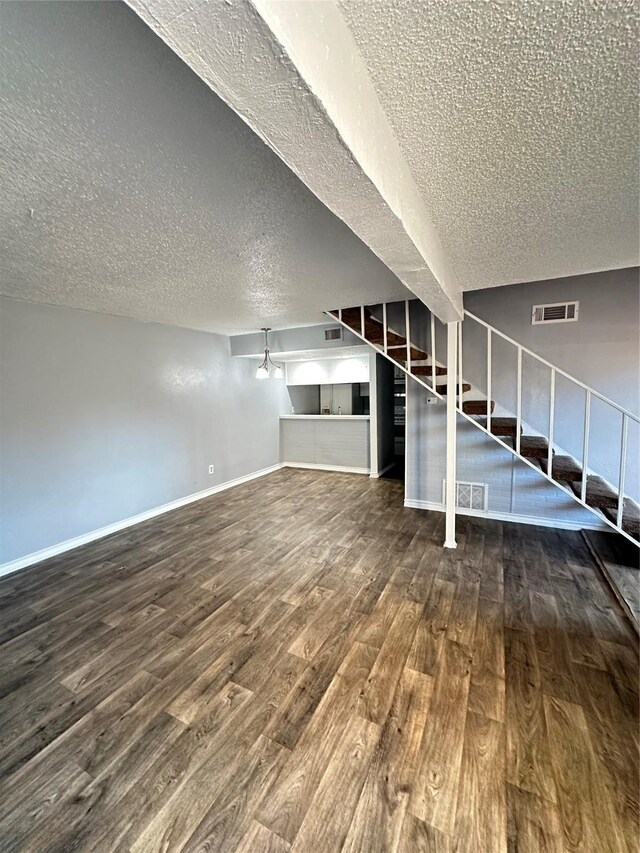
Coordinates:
[590,393]
[555,371]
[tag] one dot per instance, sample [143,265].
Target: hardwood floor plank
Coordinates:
[588,821]
[284,810]
[429,637]
[528,758]
[327,821]
[481,819]
[533,825]
[417,836]
[379,815]
[487,688]
[435,796]
[259,839]
[380,688]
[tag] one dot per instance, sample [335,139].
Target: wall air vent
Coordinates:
[555,312]
[333,334]
[472,496]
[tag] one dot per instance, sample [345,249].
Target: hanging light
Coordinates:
[268,368]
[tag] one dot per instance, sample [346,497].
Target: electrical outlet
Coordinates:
[432,401]
[211,469]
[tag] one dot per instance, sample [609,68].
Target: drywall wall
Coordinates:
[514,488]
[602,350]
[299,339]
[103,418]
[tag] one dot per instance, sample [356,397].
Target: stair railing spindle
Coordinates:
[362,322]
[408,333]
[623,468]
[384,324]
[488,379]
[552,407]
[585,446]
[519,401]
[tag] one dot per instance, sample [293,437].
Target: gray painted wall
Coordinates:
[513,487]
[102,418]
[602,349]
[292,340]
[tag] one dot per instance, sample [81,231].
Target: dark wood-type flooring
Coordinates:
[297,665]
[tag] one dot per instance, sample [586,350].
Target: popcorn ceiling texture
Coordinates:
[293,72]
[519,121]
[151,199]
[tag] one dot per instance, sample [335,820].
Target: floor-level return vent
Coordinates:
[473,496]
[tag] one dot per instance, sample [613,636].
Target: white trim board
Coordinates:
[384,471]
[101,532]
[506,516]
[314,466]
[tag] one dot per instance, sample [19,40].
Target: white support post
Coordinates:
[433,349]
[450,492]
[384,324]
[362,325]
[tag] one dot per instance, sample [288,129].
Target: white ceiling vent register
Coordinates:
[473,496]
[555,312]
[333,334]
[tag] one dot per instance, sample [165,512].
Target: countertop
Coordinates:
[326,417]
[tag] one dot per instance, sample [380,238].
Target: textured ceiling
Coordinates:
[519,121]
[130,188]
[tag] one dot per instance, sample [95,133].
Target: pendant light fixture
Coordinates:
[268,370]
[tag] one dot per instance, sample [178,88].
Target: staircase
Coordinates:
[378,326]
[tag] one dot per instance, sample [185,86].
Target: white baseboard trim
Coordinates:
[506,516]
[313,466]
[101,532]
[384,471]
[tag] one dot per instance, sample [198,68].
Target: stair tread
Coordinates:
[501,426]
[534,446]
[442,389]
[476,407]
[598,494]
[374,331]
[564,469]
[425,370]
[630,517]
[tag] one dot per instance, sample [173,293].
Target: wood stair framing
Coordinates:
[600,497]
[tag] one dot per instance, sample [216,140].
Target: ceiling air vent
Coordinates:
[555,312]
[472,496]
[333,334]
